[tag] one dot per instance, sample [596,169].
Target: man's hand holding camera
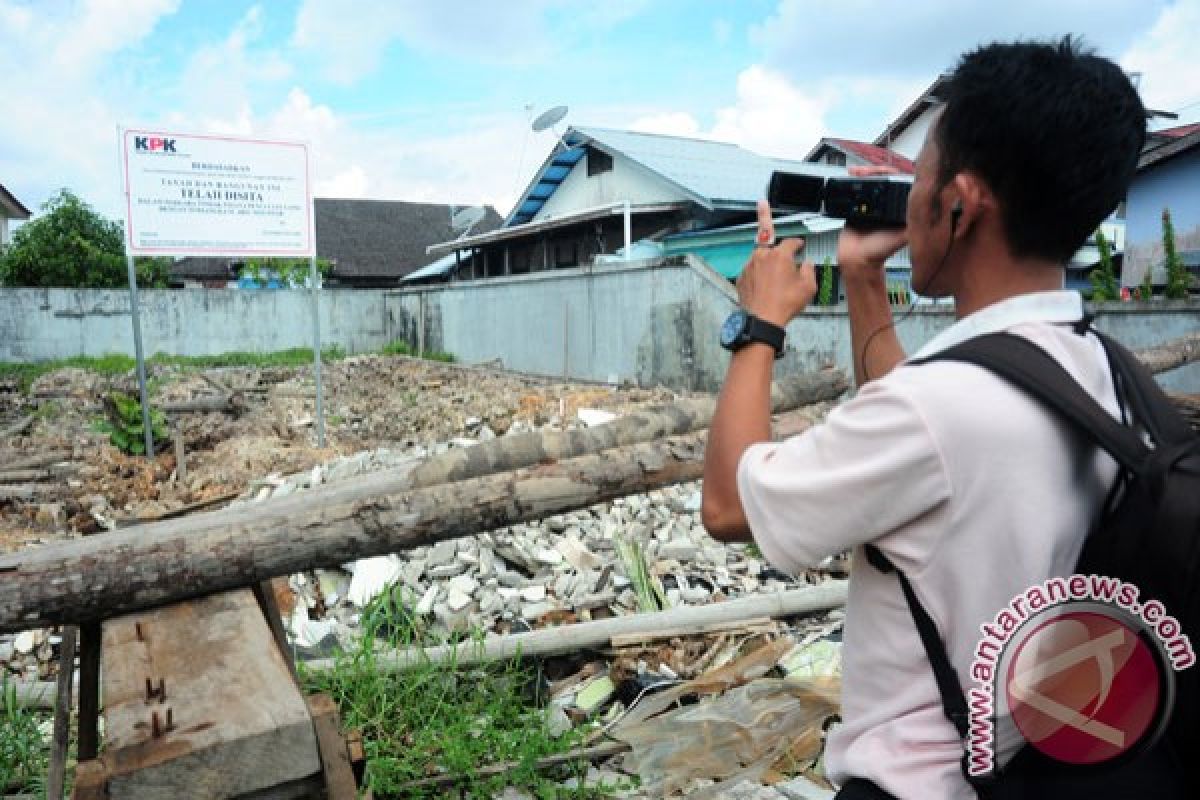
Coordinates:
[772,287]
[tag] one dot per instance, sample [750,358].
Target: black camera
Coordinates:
[867,202]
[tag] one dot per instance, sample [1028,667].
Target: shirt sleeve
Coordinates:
[872,467]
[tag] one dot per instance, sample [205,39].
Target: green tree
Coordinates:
[290,271]
[1177,276]
[1104,277]
[1146,289]
[71,245]
[825,289]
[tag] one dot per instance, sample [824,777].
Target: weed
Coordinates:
[646,585]
[125,425]
[49,410]
[399,347]
[24,756]
[118,364]
[441,718]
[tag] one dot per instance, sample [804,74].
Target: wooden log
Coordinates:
[25,475]
[57,773]
[199,703]
[33,462]
[1172,354]
[599,633]
[685,416]
[18,427]
[204,405]
[164,562]
[27,491]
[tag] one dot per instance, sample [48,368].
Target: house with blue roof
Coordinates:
[601,191]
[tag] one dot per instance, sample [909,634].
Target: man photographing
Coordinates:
[964,483]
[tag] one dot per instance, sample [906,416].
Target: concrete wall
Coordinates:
[639,323]
[659,325]
[40,324]
[1172,185]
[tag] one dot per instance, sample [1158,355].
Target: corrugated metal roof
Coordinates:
[713,174]
[717,173]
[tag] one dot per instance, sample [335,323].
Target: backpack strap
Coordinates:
[954,702]
[1151,407]
[1030,368]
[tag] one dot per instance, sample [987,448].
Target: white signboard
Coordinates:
[200,195]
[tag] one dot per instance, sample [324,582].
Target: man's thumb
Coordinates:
[790,247]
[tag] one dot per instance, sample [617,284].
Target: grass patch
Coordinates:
[24,755]
[118,364]
[439,718]
[399,347]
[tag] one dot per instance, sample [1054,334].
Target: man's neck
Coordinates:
[1004,278]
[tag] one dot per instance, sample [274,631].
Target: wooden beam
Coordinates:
[56,775]
[600,633]
[90,638]
[335,757]
[199,703]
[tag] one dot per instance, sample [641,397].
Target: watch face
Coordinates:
[734,324]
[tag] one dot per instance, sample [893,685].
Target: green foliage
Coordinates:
[1104,278]
[71,245]
[118,364]
[399,347]
[1177,275]
[1146,289]
[289,271]
[825,288]
[125,427]
[646,585]
[24,756]
[433,718]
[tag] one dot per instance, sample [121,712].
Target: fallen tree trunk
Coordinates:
[152,565]
[225,405]
[692,414]
[573,638]
[1174,353]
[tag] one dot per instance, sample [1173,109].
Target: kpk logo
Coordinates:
[153,144]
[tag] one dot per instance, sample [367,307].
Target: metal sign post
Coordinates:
[315,280]
[141,360]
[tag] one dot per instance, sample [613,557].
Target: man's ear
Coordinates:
[969,199]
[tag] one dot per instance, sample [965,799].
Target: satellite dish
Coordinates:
[548,119]
[466,218]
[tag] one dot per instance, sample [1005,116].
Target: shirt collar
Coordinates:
[1057,306]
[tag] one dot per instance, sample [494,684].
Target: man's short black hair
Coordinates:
[1053,129]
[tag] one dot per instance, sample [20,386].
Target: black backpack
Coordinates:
[1146,535]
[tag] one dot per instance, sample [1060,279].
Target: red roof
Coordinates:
[1178,131]
[873,154]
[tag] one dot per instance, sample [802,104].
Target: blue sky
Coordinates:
[431,100]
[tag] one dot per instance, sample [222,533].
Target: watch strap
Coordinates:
[759,330]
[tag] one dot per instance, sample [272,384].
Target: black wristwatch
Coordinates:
[742,327]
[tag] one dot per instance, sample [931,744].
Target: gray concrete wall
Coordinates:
[659,325]
[41,324]
[639,323]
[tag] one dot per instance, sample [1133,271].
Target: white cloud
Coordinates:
[1166,57]
[773,116]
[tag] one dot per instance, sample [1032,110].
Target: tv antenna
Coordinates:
[547,120]
[464,219]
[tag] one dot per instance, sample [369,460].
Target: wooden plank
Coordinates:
[207,678]
[89,690]
[91,781]
[56,776]
[335,755]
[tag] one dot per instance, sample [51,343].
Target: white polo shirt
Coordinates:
[968,486]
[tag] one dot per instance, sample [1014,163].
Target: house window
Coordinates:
[598,161]
[835,158]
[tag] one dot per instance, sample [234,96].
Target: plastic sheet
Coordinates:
[756,727]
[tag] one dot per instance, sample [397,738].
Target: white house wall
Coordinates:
[910,140]
[3,230]
[625,181]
